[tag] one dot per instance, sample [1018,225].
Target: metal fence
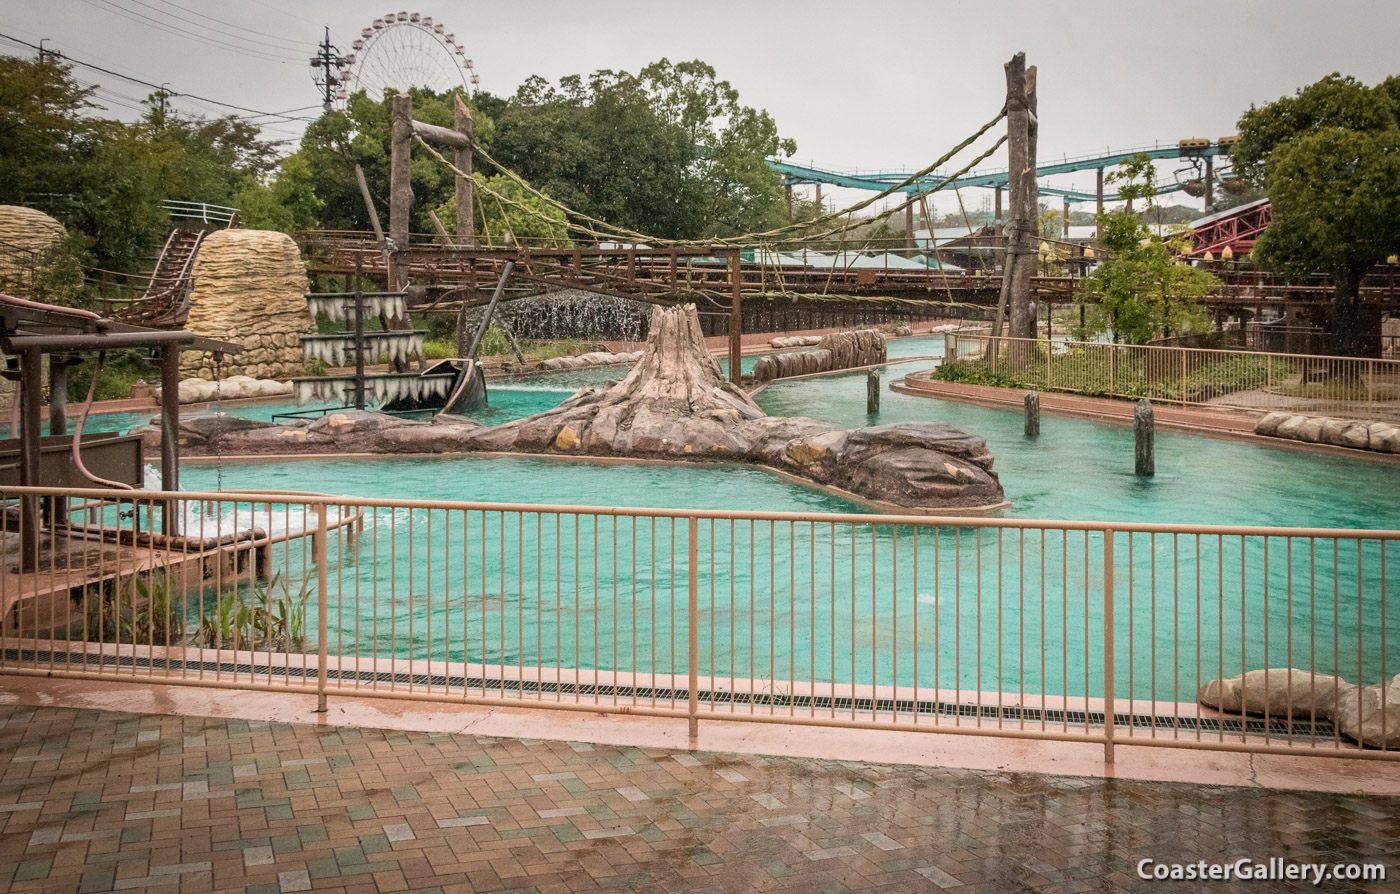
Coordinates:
[1077,631]
[1349,387]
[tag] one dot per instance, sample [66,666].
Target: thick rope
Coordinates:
[609,231]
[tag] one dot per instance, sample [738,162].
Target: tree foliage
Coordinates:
[105,180]
[1329,157]
[1143,291]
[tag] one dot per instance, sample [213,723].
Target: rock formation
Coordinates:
[25,235]
[249,288]
[1382,437]
[590,360]
[1369,715]
[195,390]
[673,405]
[839,350]
[344,432]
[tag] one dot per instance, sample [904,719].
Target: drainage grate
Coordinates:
[1001,714]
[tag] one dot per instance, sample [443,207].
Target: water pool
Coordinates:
[844,604]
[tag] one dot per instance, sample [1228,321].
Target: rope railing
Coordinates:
[600,229]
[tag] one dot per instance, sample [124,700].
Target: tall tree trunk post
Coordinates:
[1022,304]
[466,222]
[1017,237]
[400,185]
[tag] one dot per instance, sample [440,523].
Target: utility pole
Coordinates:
[44,54]
[163,94]
[325,66]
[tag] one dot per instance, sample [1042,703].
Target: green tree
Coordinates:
[502,221]
[1143,290]
[1329,157]
[286,203]
[46,129]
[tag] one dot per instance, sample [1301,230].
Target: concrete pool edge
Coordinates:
[929,749]
[788,477]
[1119,412]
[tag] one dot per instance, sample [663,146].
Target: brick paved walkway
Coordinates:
[97,801]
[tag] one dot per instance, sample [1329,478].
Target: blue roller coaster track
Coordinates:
[794,174]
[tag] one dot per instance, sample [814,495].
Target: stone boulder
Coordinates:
[1278,692]
[249,288]
[1368,715]
[1381,437]
[1372,716]
[839,350]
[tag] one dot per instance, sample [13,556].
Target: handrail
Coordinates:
[320,499]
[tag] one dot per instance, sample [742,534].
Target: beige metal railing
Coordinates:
[1080,631]
[1348,387]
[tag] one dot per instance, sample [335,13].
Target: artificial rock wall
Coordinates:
[249,288]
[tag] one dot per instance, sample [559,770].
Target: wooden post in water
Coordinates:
[1143,460]
[1032,414]
[872,392]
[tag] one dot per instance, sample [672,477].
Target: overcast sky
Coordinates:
[864,86]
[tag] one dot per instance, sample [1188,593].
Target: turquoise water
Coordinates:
[957,609]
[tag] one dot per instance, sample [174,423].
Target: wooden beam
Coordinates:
[442,136]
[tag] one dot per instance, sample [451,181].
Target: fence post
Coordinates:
[1108,708]
[1112,351]
[1370,390]
[318,546]
[1183,377]
[693,632]
[1268,381]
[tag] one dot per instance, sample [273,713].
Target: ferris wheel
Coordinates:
[403,50]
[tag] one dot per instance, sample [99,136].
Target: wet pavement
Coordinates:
[97,801]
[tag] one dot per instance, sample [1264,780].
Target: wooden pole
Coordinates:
[170,433]
[787,193]
[475,346]
[400,184]
[872,392]
[58,420]
[359,337]
[1022,304]
[1032,414]
[1143,461]
[736,319]
[1016,115]
[29,394]
[466,222]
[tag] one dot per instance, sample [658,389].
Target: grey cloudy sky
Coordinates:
[878,84]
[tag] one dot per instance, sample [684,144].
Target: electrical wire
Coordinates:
[113,8]
[192,96]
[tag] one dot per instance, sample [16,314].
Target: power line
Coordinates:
[286,44]
[196,97]
[132,16]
